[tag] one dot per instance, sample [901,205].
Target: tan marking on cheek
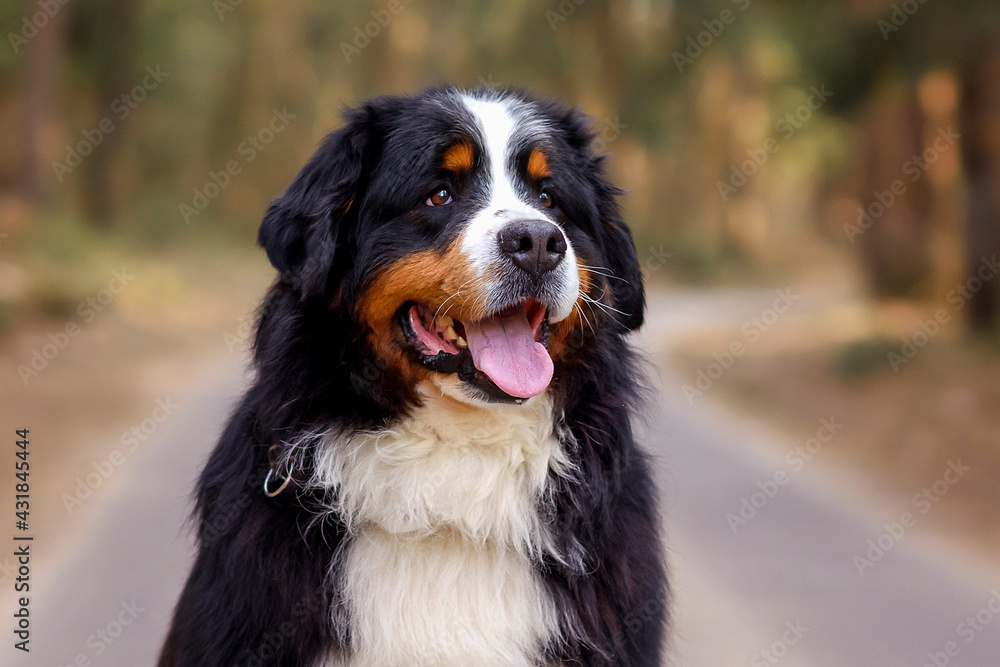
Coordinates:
[538,164]
[458,158]
[430,278]
[566,333]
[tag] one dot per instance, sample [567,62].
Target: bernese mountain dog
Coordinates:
[434,463]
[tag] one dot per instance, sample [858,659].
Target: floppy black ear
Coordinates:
[299,231]
[626,287]
[627,291]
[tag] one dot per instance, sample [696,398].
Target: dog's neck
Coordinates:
[445,514]
[480,471]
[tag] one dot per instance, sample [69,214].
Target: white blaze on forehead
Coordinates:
[499,122]
[497,128]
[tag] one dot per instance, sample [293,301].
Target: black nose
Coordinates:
[535,246]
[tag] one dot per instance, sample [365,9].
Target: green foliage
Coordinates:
[231,63]
[864,357]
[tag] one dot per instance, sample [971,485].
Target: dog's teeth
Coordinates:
[461,342]
[450,333]
[445,322]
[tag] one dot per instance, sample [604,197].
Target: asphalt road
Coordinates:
[784,588]
[781,589]
[106,598]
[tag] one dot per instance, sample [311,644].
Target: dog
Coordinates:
[434,463]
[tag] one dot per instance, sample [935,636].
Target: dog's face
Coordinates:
[471,238]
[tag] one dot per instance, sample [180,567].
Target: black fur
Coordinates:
[260,592]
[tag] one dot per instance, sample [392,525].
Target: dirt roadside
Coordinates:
[94,385]
[910,415]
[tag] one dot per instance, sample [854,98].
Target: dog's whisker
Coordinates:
[582,296]
[457,292]
[603,306]
[600,270]
[584,319]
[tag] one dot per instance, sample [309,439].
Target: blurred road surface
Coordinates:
[785,589]
[781,590]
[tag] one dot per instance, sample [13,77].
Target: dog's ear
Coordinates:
[627,291]
[300,229]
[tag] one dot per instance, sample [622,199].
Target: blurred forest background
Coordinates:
[834,143]
[746,131]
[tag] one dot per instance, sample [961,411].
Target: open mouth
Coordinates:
[504,355]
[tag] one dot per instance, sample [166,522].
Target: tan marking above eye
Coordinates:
[458,158]
[538,164]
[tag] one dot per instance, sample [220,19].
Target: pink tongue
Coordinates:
[504,348]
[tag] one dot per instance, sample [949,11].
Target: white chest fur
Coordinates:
[444,515]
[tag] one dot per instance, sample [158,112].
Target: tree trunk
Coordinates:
[980,122]
[114,24]
[43,53]
[895,196]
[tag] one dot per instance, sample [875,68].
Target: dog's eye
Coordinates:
[439,198]
[545,199]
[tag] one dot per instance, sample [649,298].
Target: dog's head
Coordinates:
[471,238]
